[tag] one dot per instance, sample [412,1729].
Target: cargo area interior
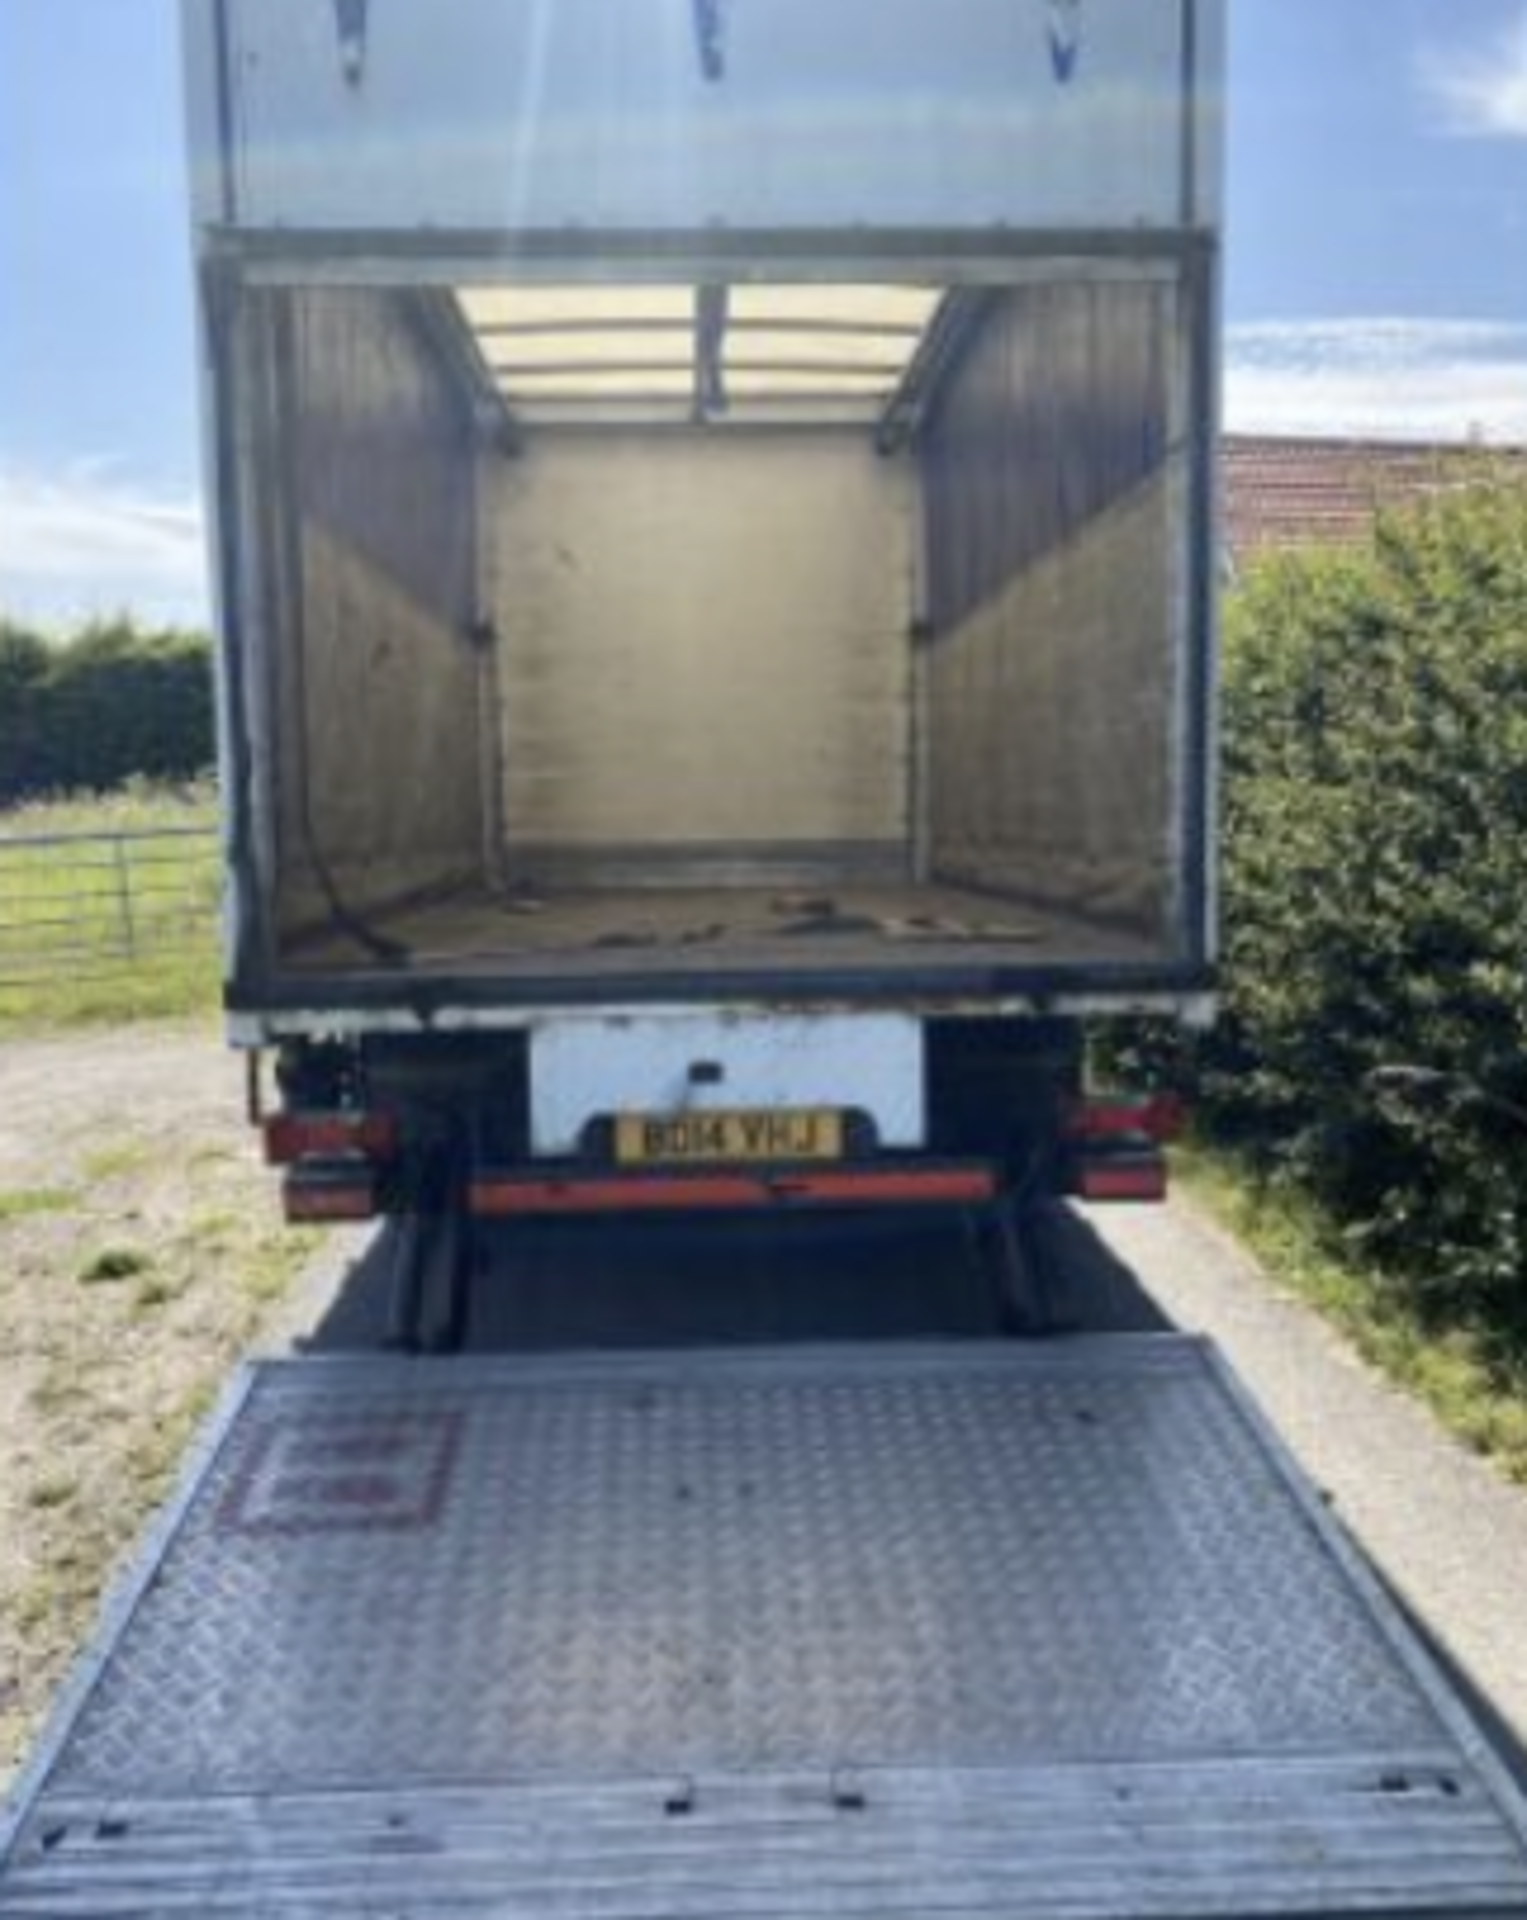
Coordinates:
[769,629]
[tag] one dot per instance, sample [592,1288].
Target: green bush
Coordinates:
[1373,1043]
[112,703]
[24,664]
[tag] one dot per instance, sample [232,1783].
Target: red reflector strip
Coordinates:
[290,1137]
[508,1196]
[1160,1119]
[326,1202]
[1135,1182]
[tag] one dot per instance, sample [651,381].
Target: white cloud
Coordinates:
[1480,91]
[1384,378]
[88,540]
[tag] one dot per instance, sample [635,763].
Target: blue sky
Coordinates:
[1377,277]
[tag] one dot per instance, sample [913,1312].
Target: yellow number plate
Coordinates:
[706,1139]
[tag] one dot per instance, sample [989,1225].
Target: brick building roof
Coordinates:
[1284,493]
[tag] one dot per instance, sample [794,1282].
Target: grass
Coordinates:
[158,1291]
[153,1258]
[58,1491]
[113,1263]
[1477,1392]
[93,1515]
[71,952]
[25,1203]
[115,1162]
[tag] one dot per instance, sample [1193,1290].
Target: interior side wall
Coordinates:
[703,655]
[379,786]
[1056,552]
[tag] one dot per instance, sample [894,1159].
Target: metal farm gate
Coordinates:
[80,906]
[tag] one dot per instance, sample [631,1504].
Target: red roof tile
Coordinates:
[1280,494]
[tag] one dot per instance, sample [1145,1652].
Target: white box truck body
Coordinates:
[715,543]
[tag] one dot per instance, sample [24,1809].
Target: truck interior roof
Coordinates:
[717,355]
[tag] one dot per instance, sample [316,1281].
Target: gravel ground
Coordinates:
[1447,1533]
[141,1251]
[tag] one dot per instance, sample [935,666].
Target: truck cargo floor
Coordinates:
[965,1629]
[598,933]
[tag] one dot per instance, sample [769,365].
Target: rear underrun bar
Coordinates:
[519,1195]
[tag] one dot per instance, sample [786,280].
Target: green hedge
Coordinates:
[1373,1043]
[111,703]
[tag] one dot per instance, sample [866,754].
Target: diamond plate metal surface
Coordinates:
[966,1557]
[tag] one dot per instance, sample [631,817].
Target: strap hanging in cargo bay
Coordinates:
[350,23]
[710,36]
[712,311]
[1065,39]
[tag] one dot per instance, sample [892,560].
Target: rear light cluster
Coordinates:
[1158,1117]
[1113,1146]
[334,1163]
[293,1137]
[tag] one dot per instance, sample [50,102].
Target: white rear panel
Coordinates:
[581,1070]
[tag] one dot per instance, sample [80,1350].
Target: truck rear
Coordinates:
[716,560]
[714,538]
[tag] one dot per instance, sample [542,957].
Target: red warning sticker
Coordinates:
[341,1473]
